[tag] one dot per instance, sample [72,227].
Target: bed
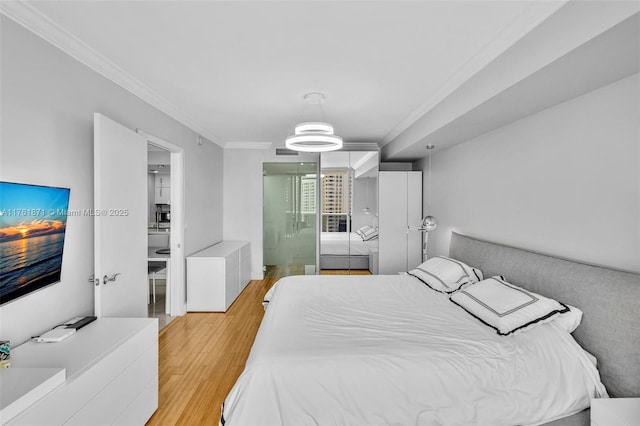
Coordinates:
[345,250]
[389,350]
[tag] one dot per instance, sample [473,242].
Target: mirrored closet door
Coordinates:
[349,207]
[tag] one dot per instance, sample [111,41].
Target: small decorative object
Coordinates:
[5,354]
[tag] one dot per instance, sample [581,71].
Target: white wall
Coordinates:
[565,181]
[47,101]
[242,213]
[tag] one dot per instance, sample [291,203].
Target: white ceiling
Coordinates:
[236,71]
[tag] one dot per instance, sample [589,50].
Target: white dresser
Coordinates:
[111,375]
[217,275]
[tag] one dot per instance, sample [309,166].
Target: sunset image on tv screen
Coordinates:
[33,222]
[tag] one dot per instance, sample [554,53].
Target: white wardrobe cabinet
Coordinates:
[400,206]
[217,275]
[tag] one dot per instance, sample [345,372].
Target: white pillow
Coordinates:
[569,320]
[370,234]
[505,307]
[446,275]
[364,229]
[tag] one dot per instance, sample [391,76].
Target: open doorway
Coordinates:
[165,166]
[158,232]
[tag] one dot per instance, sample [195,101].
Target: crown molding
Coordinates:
[364,159]
[35,21]
[247,145]
[527,20]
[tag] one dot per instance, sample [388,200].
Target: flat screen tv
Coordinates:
[33,222]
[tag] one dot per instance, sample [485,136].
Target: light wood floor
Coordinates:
[202,355]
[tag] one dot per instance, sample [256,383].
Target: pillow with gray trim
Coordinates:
[570,320]
[364,229]
[370,234]
[446,275]
[505,307]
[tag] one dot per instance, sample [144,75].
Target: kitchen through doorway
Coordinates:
[158,233]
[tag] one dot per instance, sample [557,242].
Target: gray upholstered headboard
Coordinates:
[610,300]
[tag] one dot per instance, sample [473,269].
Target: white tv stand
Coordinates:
[111,375]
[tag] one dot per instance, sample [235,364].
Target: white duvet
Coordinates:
[386,350]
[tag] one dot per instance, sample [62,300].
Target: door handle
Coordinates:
[94,280]
[113,277]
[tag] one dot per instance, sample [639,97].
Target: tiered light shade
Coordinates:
[314,137]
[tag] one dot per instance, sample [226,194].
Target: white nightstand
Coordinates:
[615,412]
[373,260]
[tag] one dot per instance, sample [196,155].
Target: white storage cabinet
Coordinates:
[111,368]
[399,206]
[217,275]
[373,260]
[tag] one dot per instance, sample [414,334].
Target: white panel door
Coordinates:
[392,223]
[120,208]
[414,218]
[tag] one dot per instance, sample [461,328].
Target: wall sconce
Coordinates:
[429,223]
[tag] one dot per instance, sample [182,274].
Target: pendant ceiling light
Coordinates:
[314,136]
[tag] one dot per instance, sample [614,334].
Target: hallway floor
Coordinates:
[157,309]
